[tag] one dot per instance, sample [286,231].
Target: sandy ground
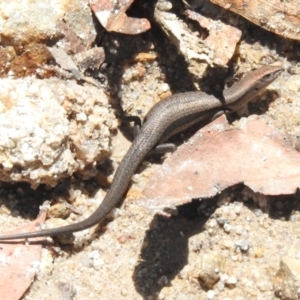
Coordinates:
[222,248]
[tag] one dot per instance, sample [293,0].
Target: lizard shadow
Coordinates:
[166,246]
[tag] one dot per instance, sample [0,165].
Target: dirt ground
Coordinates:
[227,247]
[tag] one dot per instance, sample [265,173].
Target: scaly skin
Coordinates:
[169,116]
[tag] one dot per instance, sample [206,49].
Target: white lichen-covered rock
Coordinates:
[51,128]
[26,22]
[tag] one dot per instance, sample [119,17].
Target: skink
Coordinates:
[169,116]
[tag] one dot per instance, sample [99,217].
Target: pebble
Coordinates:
[227,228]
[163,280]
[226,244]
[264,285]
[242,244]
[212,223]
[231,281]
[222,221]
[239,229]
[210,294]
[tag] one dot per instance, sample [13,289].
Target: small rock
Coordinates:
[163,280]
[210,294]
[209,271]
[237,209]
[243,245]
[231,282]
[211,227]
[212,223]
[259,252]
[227,228]
[258,212]
[264,285]
[41,141]
[59,210]
[222,221]
[287,279]
[226,244]
[239,229]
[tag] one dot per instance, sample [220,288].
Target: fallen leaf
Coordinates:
[71,42]
[65,61]
[280,17]
[191,47]
[111,15]
[19,262]
[219,156]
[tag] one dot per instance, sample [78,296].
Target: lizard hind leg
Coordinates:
[137,123]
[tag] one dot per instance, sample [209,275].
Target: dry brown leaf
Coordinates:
[219,156]
[19,262]
[111,15]
[222,37]
[85,59]
[280,17]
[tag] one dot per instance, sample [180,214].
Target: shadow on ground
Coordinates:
[165,249]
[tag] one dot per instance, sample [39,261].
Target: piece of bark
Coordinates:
[280,17]
[111,15]
[223,47]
